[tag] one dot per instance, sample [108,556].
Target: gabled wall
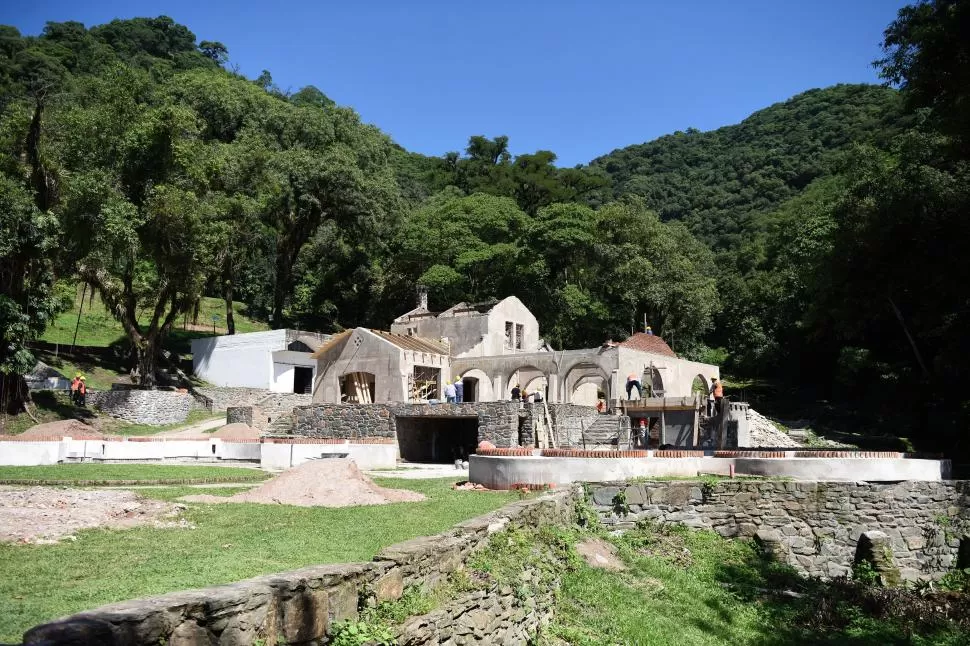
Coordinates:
[239,360]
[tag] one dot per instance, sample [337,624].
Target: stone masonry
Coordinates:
[299,607]
[819,523]
[498,422]
[143,406]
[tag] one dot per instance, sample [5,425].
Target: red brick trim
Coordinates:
[580,453]
[503,451]
[677,453]
[749,454]
[328,440]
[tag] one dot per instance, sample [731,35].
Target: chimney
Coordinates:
[422,296]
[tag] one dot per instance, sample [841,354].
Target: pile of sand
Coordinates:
[332,482]
[62,428]
[237,431]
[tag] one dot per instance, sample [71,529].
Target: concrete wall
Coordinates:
[291,454]
[391,366]
[818,524]
[475,333]
[239,360]
[143,406]
[298,607]
[500,472]
[285,363]
[18,453]
[676,374]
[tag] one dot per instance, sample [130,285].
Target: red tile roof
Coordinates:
[648,343]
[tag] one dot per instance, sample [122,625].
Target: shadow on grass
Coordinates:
[59,406]
[800,610]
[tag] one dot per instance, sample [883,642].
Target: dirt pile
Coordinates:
[765,433]
[62,428]
[46,515]
[237,431]
[334,482]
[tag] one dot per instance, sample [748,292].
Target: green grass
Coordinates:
[230,542]
[99,329]
[126,472]
[694,587]
[48,407]
[120,427]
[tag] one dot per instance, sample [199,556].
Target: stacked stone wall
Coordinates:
[143,406]
[817,524]
[300,607]
[221,398]
[498,422]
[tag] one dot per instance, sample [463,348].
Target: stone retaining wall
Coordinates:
[498,422]
[817,524]
[221,398]
[298,607]
[143,406]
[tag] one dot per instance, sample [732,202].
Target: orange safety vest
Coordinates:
[81,388]
[74,384]
[718,390]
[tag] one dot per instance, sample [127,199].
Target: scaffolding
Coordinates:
[424,383]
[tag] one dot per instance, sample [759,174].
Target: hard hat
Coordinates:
[82,377]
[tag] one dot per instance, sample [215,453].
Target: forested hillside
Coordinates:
[818,242]
[721,182]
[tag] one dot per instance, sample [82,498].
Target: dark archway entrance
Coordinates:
[436,439]
[470,389]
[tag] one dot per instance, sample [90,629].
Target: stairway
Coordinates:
[282,425]
[604,432]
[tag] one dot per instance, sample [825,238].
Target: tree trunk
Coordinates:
[146,365]
[227,295]
[14,394]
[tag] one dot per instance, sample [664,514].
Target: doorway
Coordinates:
[303,380]
[437,439]
[470,392]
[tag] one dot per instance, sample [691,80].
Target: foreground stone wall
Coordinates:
[143,406]
[299,607]
[817,525]
[498,422]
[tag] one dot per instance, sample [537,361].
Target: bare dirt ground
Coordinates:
[335,482]
[49,514]
[600,554]
[62,428]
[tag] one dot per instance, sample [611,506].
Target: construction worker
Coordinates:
[717,389]
[516,393]
[75,383]
[633,381]
[82,390]
[450,393]
[459,391]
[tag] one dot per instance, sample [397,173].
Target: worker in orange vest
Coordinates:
[717,389]
[82,390]
[74,386]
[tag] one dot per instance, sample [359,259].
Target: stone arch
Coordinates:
[700,385]
[653,381]
[478,385]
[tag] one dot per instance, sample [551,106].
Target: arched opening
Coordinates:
[653,383]
[700,386]
[477,387]
[298,346]
[358,388]
[585,384]
[522,377]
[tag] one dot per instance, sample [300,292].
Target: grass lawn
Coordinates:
[98,328]
[230,542]
[127,472]
[48,407]
[121,427]
[694,587]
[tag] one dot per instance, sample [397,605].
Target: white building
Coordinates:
[277,360]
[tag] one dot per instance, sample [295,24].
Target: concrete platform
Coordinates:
[501,472]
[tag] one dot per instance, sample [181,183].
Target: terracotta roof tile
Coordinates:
[648,343]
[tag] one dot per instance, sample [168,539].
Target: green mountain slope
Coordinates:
[717,181]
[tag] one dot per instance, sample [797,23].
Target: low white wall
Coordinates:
[367,456]
[26,454]
[500,472]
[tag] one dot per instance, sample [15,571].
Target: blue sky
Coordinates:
[577,78]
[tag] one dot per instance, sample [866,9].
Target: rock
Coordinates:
[874,547]
[72,632]
[769,542]
[389,587]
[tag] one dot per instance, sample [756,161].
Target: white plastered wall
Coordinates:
[239,360]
